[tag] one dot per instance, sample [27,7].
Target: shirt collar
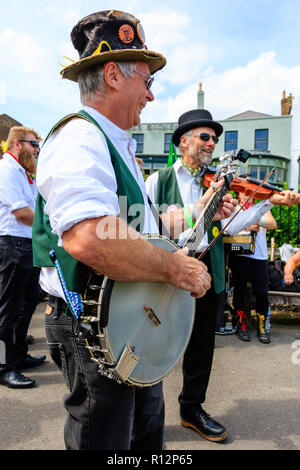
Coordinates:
[13,161]
[9,156]
[108,126]
[112,130]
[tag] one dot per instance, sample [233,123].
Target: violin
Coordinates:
[246,186]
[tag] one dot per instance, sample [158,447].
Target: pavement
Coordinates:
[254,391]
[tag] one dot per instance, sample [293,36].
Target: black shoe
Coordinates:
[202,423]
[30,339]
[263,336]
[241,325]
[31,362]
[13,379]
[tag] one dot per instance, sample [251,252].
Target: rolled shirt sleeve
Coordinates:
[75,176]
[246,218]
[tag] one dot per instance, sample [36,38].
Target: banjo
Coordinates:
[136,332]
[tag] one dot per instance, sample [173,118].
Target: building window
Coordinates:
[261,139]
[140,142]
[281,176]
[231,140]
[168,138]
[263,173]
[253,171]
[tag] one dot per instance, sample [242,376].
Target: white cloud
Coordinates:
[19,51]
[258,86]
[67,50]
[167,32]
[186,64]
[164,28]
[2,92]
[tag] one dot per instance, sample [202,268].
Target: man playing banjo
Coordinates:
[86,164]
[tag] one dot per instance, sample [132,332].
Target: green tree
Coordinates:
[287,231]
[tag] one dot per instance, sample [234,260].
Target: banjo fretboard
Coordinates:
[206,217]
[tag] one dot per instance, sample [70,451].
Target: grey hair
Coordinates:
[186,134]
[91,81]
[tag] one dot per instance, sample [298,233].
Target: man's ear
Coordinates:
[184,142]
[112,75]
[17,144]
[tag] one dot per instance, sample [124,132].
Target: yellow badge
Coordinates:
[215,231]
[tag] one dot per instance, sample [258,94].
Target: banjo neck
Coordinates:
[206,217]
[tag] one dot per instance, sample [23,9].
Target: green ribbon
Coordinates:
[172,154]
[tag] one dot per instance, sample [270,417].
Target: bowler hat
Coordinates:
[110,36]
[192,120]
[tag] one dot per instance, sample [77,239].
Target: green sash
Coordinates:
[168,193]
[75,273]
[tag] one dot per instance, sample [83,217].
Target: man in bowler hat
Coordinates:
[182,184]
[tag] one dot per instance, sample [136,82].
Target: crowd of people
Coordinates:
[85,165]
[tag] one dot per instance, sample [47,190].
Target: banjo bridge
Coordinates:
[152,315]
[123,369]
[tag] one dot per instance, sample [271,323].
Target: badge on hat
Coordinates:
[110,36]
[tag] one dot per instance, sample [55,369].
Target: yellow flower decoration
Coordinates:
[3,146]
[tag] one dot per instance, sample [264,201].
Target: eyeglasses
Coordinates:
[149,80]
[205,137]
[34,143]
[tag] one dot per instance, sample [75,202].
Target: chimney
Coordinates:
[200,97]
[286,104]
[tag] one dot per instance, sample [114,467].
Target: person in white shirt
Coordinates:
[19,290]
[182,184]
[253,268]
[81,172]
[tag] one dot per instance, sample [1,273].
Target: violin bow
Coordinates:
[241,208]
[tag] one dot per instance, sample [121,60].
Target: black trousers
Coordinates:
[198,357]
[19,296]
[101,414]
[246,269]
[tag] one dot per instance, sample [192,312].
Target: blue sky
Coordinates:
[244,53]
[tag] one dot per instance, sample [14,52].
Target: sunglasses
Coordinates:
[149,78]
[34,143]
[205,137]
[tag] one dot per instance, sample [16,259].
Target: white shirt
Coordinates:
[191,192]
[15,193]
[76,178]
[261,247]
[254,216]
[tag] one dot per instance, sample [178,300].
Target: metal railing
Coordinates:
[288,226]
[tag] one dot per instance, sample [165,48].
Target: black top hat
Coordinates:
[192,120]
[110,36]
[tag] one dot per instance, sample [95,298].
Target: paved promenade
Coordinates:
[254,391]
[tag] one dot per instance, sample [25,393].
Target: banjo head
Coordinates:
[154,319]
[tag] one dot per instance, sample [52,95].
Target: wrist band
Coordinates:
[262,222]
[188,217]
[193,210]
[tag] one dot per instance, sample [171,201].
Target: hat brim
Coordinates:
[155,61]
[183,128]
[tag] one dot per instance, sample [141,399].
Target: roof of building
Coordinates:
[249,115]
[6,122]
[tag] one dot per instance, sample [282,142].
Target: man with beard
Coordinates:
[181,184]
[19,290]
